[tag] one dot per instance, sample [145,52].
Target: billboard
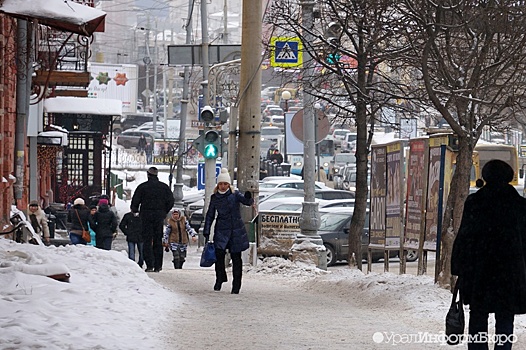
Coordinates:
[115,81]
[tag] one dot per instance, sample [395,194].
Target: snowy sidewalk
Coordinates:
[284,306]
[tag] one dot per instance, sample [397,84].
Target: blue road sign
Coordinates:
[286,52]
[201,175]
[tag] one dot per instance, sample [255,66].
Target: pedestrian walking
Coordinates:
[106,225]
[229,229]
[176,237]
[38,220]
[79,217]
[153,200]
[141,145]
[489,255]
[131,226]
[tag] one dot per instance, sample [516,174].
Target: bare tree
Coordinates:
[471,55]
[357,41]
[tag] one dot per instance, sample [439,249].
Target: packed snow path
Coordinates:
[285,306]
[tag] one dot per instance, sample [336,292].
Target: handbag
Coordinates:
[455,318]
[85,233]
[208,256]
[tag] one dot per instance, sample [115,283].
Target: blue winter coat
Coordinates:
[229,230]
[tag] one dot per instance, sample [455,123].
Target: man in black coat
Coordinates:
[153,200]
[489,255]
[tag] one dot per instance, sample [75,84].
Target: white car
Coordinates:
[271,133]
[338,135]
[290,184]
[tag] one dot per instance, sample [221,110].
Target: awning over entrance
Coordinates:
[59,14]
[75,105]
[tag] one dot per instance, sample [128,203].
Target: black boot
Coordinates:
[217,286]
[237,271]
[181,262]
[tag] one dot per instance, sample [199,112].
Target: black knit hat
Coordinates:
[497,171]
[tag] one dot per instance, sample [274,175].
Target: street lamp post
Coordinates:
[310,217]
[285,96]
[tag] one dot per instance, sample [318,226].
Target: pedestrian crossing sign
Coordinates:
[286,52]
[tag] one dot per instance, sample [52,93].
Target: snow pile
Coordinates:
[110,303]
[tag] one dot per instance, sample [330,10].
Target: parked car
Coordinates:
[334,232]
[338,135]
[131,121]
[348,143]
[297,184]
[130,138]
[149,128]
[339,161]
[327,194]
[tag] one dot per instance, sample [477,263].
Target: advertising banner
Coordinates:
[277,232]
[394,197]
[378,199]
[416,192]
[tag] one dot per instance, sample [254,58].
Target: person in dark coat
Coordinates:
[489,255]
[106,225]
[141,145]
[131,226]
[229,230]
[78,217]
[153,200]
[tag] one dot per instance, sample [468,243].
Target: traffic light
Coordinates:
[212,144]
[207,114]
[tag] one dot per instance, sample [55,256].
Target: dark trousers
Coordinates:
[478,323]
[152,231]
[237,268]
[104,242]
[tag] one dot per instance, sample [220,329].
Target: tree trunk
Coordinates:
[360,202]
[458,193]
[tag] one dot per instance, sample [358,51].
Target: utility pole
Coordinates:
[210,164]
[310,217]
[147,61]
[250,102]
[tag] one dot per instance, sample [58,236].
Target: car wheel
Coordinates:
[126,144]
[331,255]
[346,185]
[411,255]
[117,131]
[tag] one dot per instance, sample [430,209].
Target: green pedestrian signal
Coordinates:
[212,144]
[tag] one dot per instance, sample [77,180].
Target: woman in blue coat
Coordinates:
[229,230]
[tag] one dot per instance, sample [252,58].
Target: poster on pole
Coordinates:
[416,192]
[394,197]
[378,200]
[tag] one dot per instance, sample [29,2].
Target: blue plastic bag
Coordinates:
[208,257]
[92,234]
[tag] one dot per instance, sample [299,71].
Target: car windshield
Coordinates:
[340,133]
[275,111]
[332,222]
[344,158]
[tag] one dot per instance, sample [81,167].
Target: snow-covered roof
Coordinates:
[60,14]
[83,105]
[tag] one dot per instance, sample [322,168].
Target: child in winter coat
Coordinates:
[131,226]
[176,237]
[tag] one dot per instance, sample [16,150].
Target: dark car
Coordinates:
[130,138]
[334,231]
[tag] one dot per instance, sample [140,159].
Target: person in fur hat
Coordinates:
[38,220]
[229,230]
[176,237]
